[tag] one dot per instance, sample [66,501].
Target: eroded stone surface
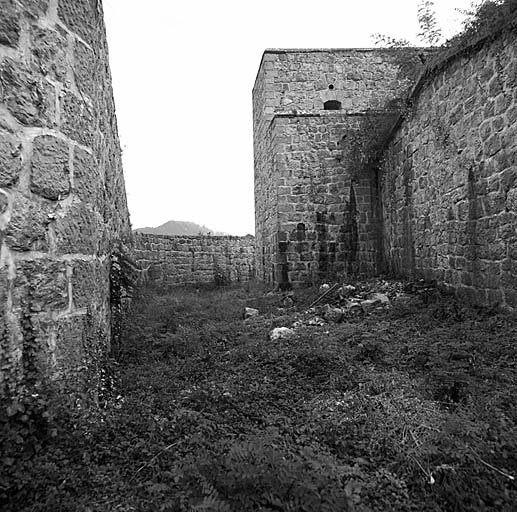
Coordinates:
[50,174]
[10,159]
[85,71]
[23,93]
[27,228]
[87,180]
[77,120]
[49,51]
[43,284]
[9,24]
[80,231]
[80,17]
[69,352]
[87,283]
[4,202]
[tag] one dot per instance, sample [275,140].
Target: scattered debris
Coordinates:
[381,297]
[338,302]
[281,332]
[250,312]
[326,293]
[288,301]
[346,290]
[335,315]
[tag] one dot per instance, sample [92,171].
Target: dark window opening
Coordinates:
[332,105]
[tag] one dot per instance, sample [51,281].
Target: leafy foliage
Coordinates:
[390,42]
[429,33]
[408,408]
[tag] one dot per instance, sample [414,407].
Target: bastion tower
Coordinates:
[315,112]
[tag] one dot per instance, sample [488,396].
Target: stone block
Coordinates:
[50,173]
[510,298]
[42,285]
[4,201]
[33,8]
[49,51]
[87,74]
[27,227]
[27,98]
[10,159]
[69,351]
[511,200]
[80,230]
[511,115]
[87,177]
[9,24]
[80,17]
[77,119]
[89,283]
[493,144]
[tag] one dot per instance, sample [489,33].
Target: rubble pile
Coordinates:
[337,302]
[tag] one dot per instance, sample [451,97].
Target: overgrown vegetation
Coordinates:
[406,408]
[430,33]
[485,19]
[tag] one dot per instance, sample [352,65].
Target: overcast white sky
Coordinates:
[183,72]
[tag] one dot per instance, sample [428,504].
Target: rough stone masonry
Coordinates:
[316,216]
[345,185]
[185,260]
[62,197]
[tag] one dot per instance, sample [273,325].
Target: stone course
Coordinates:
[62,197]
[185,260]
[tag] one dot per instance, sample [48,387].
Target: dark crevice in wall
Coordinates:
[283,266]
[473,215]
[408,244]
[321,237]
[354,232]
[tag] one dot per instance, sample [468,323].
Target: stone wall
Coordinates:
[328,222]
[185,260]
[449,181]
[316,210]
[62,197]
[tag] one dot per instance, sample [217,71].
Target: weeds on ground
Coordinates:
[410,408]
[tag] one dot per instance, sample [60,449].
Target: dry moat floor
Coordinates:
[406,405]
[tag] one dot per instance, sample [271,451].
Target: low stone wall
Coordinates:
[184,260]
[449,180]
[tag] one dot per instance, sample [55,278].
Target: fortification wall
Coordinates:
[316,210]
[183,260]
[449,181]
[62,197]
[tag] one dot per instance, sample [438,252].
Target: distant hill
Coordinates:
[179,227]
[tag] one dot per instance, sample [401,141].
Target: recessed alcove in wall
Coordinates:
[332,105]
